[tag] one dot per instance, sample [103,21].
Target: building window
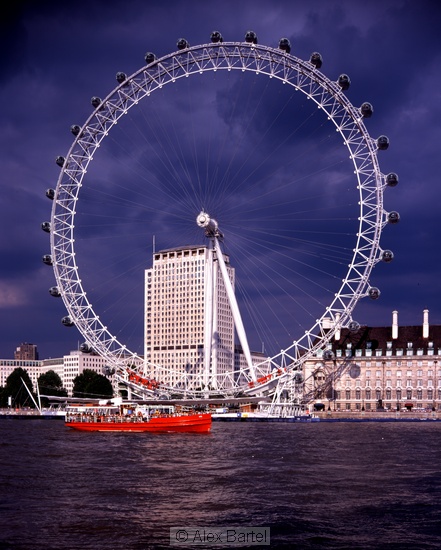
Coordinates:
[409,394]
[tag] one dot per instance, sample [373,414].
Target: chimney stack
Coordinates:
[426,323]
[394,325]
[337,332]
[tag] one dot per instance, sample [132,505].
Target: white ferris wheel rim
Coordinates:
[243,56]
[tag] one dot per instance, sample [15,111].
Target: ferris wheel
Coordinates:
[266,80]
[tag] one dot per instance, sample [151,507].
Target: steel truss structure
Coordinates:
[348,120]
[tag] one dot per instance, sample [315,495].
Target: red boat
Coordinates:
[130,417]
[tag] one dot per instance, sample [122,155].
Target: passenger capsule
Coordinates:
[251,37]
[328,355]
[50,194]
[182,44]
[366,110]
[96,102]
[298,377]
[108,371]
[47,259]
[383,143]
[374,293]
[121,77]
[344,81]
[216,37]
[354,326]
[316,59]
[85,348]
[54,291]
[75,129]
[285,45]
[387,256]
[392,179]
[393,217]
[46,226]
[60,161]
[149,57]
[67,321]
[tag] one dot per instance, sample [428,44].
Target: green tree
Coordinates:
[50,383]
[14,388]
[91,384]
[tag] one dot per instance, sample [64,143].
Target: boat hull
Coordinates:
[197,423]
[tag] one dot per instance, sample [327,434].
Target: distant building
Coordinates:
[177,326]
[176,299]
[26,351]
[375,368]
[33,368]
[67,368]
[77,362]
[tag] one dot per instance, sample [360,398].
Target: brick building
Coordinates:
[26,352]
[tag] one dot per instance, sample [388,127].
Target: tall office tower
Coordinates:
[26,351]
[186,306]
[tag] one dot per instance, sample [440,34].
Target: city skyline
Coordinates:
[390,52]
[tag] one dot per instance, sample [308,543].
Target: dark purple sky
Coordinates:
[57,55]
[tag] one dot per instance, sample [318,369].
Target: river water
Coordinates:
[319,485]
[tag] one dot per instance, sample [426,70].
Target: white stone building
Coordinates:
[176,300]
[67,368]
[376,368]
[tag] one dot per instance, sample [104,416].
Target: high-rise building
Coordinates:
[26,352]
[186,306]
